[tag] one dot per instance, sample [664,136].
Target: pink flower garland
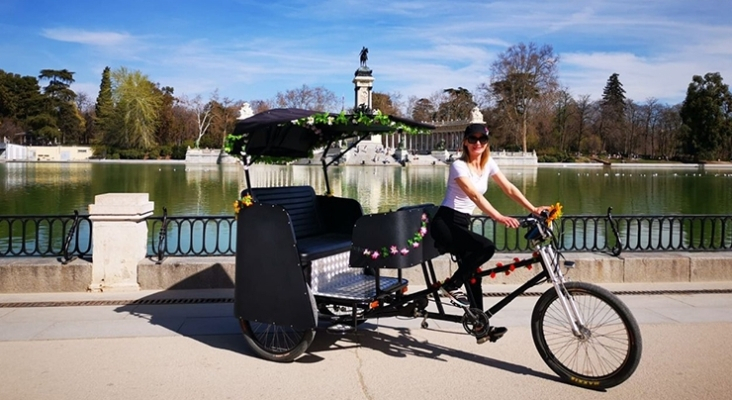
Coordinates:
[394,249]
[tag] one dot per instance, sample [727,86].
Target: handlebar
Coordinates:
[540,226]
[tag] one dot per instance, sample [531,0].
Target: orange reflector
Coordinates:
[404,289]
[374,304]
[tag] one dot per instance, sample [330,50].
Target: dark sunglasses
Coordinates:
[475,139]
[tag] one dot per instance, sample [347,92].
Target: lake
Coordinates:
[61,188]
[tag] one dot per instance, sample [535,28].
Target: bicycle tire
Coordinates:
[612,331]
[275,342]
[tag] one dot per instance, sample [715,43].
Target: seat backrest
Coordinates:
[300,204]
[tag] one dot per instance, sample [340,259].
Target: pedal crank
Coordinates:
[475,322]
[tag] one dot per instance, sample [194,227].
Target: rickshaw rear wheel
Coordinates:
[275,342]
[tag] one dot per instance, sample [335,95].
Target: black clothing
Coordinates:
[451,231]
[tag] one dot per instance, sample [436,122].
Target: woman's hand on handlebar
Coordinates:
[538,210]
[510,222]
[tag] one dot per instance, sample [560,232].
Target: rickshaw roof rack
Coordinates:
[295,133]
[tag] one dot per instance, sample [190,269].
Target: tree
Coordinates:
[68,121]
[86,109]
[612,113]
[424,110]
[203,112]
[164,131]
[583,107]
[384,103]
[564,108]
[519,77]
[706,114]
[23,107]
[105,105]
[458,105]
[316,99]
[137,103]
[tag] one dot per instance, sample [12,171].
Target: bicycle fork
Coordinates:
[550,257]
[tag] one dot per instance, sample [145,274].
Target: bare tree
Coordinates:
[520,76]
[203,112]
[317,99]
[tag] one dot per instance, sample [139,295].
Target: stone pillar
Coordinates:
[119,239]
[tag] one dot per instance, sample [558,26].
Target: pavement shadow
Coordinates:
[207,316]
[402,345]
[200,307]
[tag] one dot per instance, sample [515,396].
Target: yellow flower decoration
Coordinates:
[555,212]
[245,201]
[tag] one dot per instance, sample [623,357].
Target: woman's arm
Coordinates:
[483,204]
[515,194]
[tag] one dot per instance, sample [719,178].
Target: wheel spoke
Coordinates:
[605,346]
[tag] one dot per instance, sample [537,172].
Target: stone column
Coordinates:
[119,239]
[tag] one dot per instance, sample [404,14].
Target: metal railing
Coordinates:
[616,233]
[67,237]
[197,236]
[62,236]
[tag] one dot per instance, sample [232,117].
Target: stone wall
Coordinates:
[29,275]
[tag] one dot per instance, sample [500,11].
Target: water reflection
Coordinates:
[61,188]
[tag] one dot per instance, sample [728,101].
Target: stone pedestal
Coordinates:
[364,83]
[119,239]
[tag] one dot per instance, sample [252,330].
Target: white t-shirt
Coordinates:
[455,198]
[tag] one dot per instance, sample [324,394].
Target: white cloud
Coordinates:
[103,39]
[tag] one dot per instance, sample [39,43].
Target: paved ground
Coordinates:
[195,351]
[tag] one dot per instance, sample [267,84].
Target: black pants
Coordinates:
[451,231]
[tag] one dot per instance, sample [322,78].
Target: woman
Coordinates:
[450,227]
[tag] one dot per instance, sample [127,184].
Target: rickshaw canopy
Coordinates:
[295,133]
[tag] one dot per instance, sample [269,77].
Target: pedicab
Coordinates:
[304,258]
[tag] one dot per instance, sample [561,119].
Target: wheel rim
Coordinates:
[603,346]
[273,338]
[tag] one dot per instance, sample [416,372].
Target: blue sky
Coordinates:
[249,50]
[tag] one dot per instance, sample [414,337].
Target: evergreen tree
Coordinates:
[706,114]
[105,106]
[424,110]
[612,113]
[458,105]
[68,124]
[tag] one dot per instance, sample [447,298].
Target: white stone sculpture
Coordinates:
[476,117]
[245,111]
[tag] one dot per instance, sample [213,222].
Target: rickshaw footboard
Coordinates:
[332,277]
[359,287]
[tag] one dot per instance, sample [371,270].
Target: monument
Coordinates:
[363,82]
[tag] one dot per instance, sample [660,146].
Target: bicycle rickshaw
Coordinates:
[302,258]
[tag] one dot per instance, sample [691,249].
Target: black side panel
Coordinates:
[338,214]
[270,286]
[383,233]
[429,251]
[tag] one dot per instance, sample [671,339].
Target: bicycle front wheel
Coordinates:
[608,348]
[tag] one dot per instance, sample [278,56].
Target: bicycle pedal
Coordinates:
[496,333]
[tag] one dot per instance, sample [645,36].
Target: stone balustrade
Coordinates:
[120,235]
